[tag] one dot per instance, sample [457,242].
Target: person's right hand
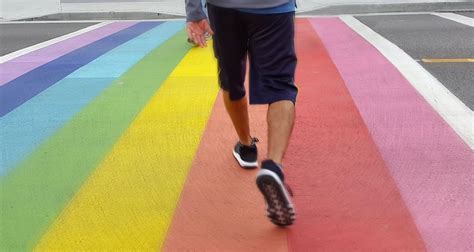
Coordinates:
[197,31]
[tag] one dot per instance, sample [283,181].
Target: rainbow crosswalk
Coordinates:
[115,139]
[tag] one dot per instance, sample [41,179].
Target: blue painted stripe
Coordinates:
[26,127]
[23,88]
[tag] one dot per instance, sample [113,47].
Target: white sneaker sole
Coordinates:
[279,205]
[243,163]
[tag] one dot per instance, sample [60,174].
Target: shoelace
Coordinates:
[255,140]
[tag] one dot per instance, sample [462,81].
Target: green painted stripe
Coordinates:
[35,192]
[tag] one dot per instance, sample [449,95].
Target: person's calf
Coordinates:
[280,119]
[238,113]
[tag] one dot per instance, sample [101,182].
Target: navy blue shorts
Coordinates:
[268,40]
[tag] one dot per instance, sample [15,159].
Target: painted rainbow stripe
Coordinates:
[127,149]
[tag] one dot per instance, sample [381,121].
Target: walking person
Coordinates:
[263,31]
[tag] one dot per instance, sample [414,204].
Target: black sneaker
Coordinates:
[270,181]
[246,155]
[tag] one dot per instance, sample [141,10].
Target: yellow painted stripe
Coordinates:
[129,200]
[467,60]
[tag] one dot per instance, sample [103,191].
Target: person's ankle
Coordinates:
[276,160]
[246,142]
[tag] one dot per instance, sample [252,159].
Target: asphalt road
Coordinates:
[14,37]
[422,36]
[467,14]
[432,37]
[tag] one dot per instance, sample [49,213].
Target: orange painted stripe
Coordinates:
[221,208]
[345,197]
[455,60]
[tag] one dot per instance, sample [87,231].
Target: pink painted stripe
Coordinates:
[16,67]
[432,166]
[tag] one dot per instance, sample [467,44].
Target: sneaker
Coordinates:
[246,155]
[270,181]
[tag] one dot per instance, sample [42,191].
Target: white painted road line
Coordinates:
[44,44]
[364,14]
[448,106]
[50,21]
[91,21]
[457,18]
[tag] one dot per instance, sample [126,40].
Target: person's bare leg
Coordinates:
[238,112]
[280,119]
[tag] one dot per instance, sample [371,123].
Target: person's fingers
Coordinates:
[199,37]
[204,25]
[194,35]
[195,39]
[202,41]
[191,27]
[208,29]
[188,32]
[199,40]
[196,32]
[190,38]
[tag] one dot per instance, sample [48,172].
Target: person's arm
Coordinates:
[197,24]
[194,11]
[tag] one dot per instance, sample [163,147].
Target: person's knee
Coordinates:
[289,95]
[288,101]
[234,95]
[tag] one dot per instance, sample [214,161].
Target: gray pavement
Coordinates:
[14,37]
[384,8]
[457,77]
[104,16]
[429,36]
[420,35]
[467,14]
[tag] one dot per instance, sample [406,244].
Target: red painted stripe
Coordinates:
[344,195]
[430,163]
[221,208]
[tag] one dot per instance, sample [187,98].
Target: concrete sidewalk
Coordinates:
[152,9]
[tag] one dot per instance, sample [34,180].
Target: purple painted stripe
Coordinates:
[16,67]
[430,163]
